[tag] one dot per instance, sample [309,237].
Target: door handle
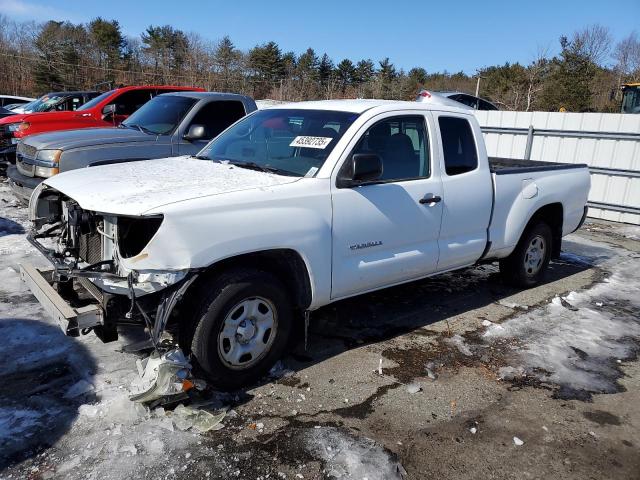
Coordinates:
[434,199]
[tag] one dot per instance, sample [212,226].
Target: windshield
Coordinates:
[24,106]
[44,103]
[295,142]
[631,100]
[161,115]
[92,103]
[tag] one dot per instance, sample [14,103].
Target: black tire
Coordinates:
[513,268]
[214,302]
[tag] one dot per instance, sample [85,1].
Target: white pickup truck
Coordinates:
[290,209]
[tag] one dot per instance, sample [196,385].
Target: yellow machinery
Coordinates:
[630,98]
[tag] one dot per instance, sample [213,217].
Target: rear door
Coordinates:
[467,190]
[386,232]
[215,117]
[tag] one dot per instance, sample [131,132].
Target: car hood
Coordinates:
[68,139]
[135,188]
[15,118]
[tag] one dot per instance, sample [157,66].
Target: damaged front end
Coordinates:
[89,288]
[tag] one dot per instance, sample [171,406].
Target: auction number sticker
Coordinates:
[311,142]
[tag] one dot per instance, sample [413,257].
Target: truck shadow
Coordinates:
[9,227]
[407,308]
[45,377]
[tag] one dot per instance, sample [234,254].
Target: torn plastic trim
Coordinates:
[161,375]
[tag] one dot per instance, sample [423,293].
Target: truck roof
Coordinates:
[362,105]
[69,93]
[200,95]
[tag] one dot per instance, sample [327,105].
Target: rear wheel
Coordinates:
[527,264]
[242,321]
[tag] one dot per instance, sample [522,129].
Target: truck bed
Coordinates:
[505,166]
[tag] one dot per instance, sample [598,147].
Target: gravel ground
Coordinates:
[457,377]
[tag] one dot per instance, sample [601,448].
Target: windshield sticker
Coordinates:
[311,142]
[312,171]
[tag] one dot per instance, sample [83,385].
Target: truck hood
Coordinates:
[85,137]
[135,188]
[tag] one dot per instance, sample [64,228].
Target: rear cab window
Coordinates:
[458,145]
[217,115]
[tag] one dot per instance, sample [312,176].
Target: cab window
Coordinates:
[402,144]
[458,145]
[130,101]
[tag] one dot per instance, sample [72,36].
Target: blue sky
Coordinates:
[445,35]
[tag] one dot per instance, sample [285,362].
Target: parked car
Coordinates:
[290,209]
[56,101]
[169,125]
[471,101]
[5,113]
[107,109]
[6,100]
[51,102]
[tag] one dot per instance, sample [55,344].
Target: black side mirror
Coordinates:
[365,167]
[108,111]
[196,132]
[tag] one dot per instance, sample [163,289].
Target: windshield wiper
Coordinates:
[139,127]
[262,168]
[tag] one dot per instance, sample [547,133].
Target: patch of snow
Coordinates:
[512,305]
[573,344]
[347,457]
[413,388]
[630,232]
[458,342]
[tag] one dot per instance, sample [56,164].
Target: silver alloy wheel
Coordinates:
[534,256]
[247,333]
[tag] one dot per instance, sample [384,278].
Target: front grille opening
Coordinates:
[135,233]
[90,247]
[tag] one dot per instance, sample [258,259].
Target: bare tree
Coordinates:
[536,73]
[594,42]
[627,57]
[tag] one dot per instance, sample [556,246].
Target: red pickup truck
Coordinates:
[108,109]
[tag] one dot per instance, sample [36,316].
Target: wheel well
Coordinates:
[286,264]
[552,215]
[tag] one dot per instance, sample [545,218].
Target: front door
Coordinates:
[387,231]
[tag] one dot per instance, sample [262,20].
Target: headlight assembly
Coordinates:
[49,157]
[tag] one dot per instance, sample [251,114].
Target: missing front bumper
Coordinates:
[70,319]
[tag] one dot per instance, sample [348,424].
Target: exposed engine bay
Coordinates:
[87,250]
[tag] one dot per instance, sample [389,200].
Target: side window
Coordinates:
[217,116]
[403,145]
[129,102]
[484,105]
[458,145]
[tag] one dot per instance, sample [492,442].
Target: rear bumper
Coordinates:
[71,320]
[22,185]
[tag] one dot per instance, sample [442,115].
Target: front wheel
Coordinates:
[527,264]
[242,325]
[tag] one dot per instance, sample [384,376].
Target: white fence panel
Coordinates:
[608,142]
